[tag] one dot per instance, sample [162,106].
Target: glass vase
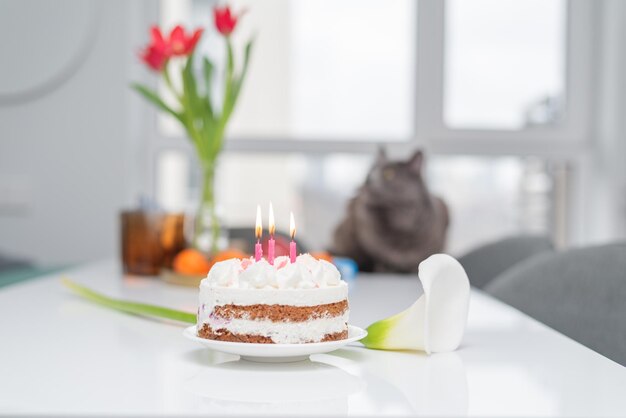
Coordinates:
[209,234]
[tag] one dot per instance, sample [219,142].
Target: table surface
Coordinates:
[63,355]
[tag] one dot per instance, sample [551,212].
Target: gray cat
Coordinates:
[393,222]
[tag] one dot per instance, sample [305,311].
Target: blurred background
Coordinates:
[518,105]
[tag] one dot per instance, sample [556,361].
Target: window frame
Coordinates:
[565,139]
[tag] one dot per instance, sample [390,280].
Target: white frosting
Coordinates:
[257,276]
[306,273]
[284,332]
[225,273]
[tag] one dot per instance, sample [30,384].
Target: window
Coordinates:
[481,84]
[504,63]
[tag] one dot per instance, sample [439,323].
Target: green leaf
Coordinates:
[227,105]
[244,71]
[216,138]
[208,75]
[246,57]
[151,96]
[236,83]
[193,107]
[230,64]
[190,88]
[135,308]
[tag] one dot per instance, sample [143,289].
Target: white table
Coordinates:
[63,355]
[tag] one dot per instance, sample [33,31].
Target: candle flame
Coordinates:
[292,226]
[258,230]
[271,223]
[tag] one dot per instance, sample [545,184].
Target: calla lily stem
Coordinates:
[142,309]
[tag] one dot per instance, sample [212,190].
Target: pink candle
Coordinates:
[292,251]
[292,244]
[258,232]
[258,251]
[271,244]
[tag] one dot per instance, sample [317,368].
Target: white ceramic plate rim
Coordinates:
[276,350]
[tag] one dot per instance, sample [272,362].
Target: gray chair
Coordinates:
[580,293]
[485,263]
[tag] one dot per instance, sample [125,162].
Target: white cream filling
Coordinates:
[283,332]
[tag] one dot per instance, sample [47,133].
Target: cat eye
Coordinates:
[389,174]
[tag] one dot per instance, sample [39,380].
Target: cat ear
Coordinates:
[381,157]
[415,162]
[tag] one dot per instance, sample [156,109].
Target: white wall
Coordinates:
[66,157]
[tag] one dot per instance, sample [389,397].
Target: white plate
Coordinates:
[276,353]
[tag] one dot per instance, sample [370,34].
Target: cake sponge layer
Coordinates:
[224,335]
[280,312]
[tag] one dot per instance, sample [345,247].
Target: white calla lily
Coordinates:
[436,321]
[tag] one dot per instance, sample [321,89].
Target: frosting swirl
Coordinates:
[306,273]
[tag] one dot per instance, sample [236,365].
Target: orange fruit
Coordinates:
[323,255]
[228,254]
[191,262]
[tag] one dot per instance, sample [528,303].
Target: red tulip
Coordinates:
[154,58]
[181,44]
[158,40]
[156,54]
[225,22]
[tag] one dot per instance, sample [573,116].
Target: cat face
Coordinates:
[396,182]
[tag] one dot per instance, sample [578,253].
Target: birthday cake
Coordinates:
[248,301]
